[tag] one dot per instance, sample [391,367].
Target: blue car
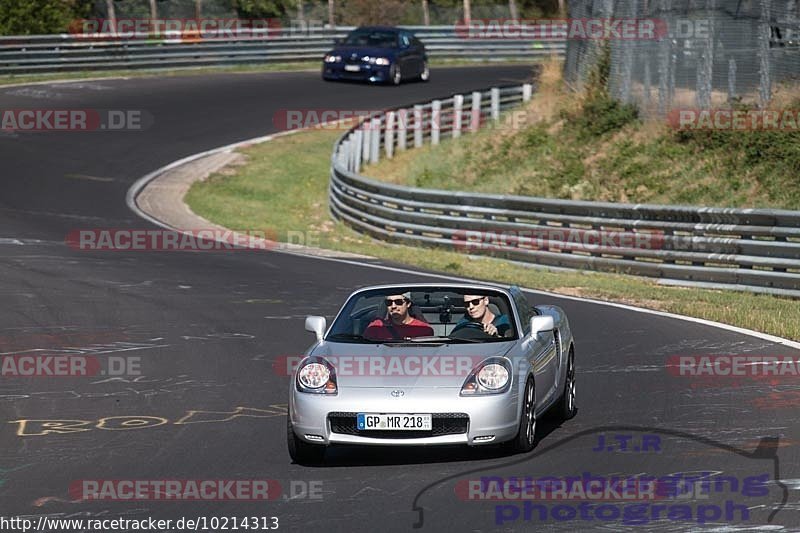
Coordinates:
[377,54]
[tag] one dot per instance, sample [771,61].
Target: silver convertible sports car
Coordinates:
[431,364]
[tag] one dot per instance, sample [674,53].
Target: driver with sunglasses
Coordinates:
[398,323]
[478,313]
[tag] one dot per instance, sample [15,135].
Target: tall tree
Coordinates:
[467,12]
[331,18]
[512,9]
[153,10]
[301,15]
[426,13]
[198,9]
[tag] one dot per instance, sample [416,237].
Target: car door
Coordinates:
[419,53]
[540,351]
[405,57]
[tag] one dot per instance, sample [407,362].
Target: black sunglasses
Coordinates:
[396,301]
[470,303]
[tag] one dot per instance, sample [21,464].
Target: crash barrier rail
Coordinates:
[77,52]
[748,249]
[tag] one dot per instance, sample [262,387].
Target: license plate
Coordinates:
[394,422]
[352,68]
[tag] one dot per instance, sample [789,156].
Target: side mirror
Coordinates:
[540,324]
[318,324]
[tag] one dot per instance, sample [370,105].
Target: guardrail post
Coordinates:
[495,103]
[436,121]
[344,154]
[527,91]
[375,137]
[359,148]
[367,129]
[417,126]
[402,125]
[458,107]
[351,153]
[341,157]
[388,142]
[475,119]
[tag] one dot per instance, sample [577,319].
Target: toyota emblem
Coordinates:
[398,393]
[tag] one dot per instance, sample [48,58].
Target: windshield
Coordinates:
[430,314]
[372,38]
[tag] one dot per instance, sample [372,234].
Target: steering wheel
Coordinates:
[470,330]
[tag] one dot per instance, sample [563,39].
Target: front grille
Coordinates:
[441,424]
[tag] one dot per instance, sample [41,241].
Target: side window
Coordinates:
[524,308]
[404,40]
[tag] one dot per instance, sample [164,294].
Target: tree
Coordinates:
[40,17]
[372,13]
[426,13]
[467,12]
[512,9]
[263,8]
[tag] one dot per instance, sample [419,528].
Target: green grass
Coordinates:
[284,186]
[596,149]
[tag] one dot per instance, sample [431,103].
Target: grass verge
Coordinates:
[284,186]
[590,147]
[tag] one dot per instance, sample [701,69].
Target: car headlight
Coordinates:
[382,61]
[492,376]
[332,58]
[316,375]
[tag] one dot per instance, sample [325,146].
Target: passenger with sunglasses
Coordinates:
[398,323]
[478,313]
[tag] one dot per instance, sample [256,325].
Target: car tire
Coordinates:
[302,452]
[566,407]
[525,439]
[425,75]
[395,75]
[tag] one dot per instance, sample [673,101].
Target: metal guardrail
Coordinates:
[74,52]
[748,249]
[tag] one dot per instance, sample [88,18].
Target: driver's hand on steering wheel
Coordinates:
[490,329]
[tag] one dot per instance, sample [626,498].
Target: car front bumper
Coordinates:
[366,72]
[327,419]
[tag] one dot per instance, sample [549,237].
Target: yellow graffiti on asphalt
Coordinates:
[28,427]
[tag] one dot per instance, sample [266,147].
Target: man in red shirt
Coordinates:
[399,324]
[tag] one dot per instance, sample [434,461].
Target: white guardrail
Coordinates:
[747,249]
[78,52]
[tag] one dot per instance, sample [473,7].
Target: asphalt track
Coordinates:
[207,328]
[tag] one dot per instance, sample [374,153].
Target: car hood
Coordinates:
[360,51]
[406,364]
